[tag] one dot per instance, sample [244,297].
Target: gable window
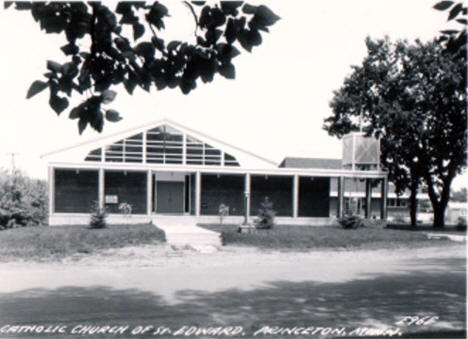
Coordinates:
[94,155]
[163,145]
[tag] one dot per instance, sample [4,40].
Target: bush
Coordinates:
[98,217]
[351,222]
[266,215]
[461,224]
[125,208]
[223,211]
[23,200]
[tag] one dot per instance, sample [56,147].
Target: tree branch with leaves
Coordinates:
[143,59]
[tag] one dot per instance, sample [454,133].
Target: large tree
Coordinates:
[125,45]
[413,97]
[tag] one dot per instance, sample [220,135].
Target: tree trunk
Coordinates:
[439,220]
[440,207]
[439,204]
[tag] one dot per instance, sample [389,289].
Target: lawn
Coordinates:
[448,229]
[323,237]
[43,243]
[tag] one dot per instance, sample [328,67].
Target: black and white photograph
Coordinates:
[233,169]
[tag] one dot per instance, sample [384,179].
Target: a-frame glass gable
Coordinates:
[125,150]
[163,145]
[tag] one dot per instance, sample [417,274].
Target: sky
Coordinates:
[275,107]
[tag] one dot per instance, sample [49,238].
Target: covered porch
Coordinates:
[298,195]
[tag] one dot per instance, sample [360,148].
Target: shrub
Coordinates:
[223,211]
[266,215]
[125,208]
[461,224]
[98,216]
[399,219]
[351,222]
[23,200]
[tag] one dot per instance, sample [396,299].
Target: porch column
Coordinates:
[197,193]
[383,199]
[340,202]
[368,198]
[295,196]
[101,188]
[51,191]
[149,190]
[246,198]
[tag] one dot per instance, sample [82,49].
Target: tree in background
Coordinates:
[459,195]
[413,97]
[126,46]
[23,201]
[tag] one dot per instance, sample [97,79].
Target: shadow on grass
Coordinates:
[440,290]
[427,228]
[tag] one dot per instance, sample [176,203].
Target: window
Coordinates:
[229,160]
[94,155]
[126,150]
[164,145]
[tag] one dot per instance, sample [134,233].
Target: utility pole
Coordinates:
[12,155]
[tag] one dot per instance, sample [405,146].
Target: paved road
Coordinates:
[275,292]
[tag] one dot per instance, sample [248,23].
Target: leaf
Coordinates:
[145,49]
[212,35]
[70,49]
[158,43]
[108,96]
[244,40]
[36,87]
[156,14]
[57,103]
[138,30]
[113,115]
[96,119]
[231,31]
[82,123]
[449,31]
[173,45]
[249,9]
[265,16]
[462,21]
[54,66]
[455,11]
[228,71]
[443,5]
[75,112]
[187,85]
[230,7]
[130,85]
[198,3]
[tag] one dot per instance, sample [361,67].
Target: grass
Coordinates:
[44,243]
[448,229]
[323,237]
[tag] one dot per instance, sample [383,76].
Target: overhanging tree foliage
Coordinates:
[454,39]
[412,96]
[107,48]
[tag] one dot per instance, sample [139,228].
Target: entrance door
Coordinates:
[170,197]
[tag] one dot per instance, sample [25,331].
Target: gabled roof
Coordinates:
[78,151]
[323,163]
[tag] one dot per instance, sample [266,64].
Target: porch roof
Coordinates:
[310,172]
